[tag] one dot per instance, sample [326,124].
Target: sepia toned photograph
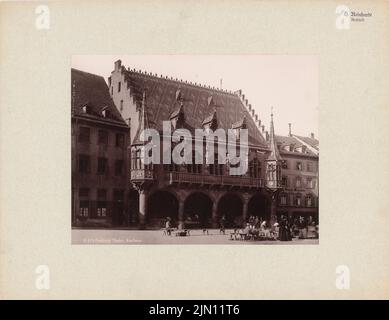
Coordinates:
[169,151]
[194,149]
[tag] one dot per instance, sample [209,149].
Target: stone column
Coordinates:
[180,215]
[273,208]
[142,207]
[215,223]
[245,206]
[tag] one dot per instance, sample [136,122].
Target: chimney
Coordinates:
[263,128]
[312,135]
[267,135]
[118,64]
[256,117]
[290,129]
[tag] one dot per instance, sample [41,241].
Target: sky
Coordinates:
[288,83]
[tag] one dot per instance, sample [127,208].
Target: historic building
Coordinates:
[282,176]
[300,175]
[99,140]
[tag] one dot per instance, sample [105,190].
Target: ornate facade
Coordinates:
[282,176]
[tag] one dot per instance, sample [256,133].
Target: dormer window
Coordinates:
[238,126]
[86,109]
[210,122]
[105,112]
[177,118]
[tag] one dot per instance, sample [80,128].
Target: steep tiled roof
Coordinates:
[199,103]
[92,91]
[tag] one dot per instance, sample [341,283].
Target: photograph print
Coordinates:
[194,149]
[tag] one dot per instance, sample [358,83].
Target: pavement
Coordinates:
[104,236]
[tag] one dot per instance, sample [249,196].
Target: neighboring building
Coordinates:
[100,179]
[300,176]
[203,193]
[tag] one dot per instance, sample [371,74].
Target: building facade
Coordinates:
[99,140]
[300,176]
[282,175]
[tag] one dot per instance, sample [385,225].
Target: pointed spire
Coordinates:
[144,123]
[274,154]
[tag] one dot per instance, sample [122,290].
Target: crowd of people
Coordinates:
[300,227]
[284,229]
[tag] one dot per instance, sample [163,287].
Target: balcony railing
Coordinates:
[142,174]
[237,181]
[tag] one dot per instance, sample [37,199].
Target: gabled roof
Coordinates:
[92,91]
[210,118]
[162,103]
[240,124]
